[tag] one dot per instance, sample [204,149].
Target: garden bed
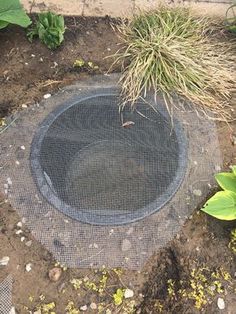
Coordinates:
[29,71]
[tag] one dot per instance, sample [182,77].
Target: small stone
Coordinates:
[221,303]
[28,267]
[212,288]
[84,308]
[9,181]
[26,63]
[24,106]
[217,168]
[19,231]
[23,220]
[19,224]
[197,192]
[95,245]
[111,231]
[93,306]
[197,249]
[126,245]
[4,261]
[46,96]
[17,162]
[41,59]
[54,274]
[128,293]
[28,243]
[12,311]
[22,147]
[32,55]
[22,239]
[130,230]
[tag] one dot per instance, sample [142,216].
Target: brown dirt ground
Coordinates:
[27,72]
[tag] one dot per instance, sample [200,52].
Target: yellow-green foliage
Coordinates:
[71,308]
[232,243]
[203,285]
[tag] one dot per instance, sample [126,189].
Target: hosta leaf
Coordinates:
[11,11]
[222,205]
[234,170]
[3,24]
[227,181]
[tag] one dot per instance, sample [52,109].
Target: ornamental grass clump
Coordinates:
[171,51]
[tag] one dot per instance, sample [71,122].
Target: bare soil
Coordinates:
[27,72]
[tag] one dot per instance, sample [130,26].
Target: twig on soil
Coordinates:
[47,83]
[3,130]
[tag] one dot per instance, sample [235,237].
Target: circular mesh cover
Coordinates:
[95,170]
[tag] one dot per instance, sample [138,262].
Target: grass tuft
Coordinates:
[173,52]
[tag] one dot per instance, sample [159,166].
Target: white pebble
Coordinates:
[128,293]
[24,106]
[19,231]
[22,239]
[197,192]
[46,96]
[93,306]
[221,303]
[131,230]
[111,231]
[22,147]
[4,261]
[9,181]
[28,267]
[19,224]
[17,162]
[28,243]
[12,311]
[84,308]
[32,55]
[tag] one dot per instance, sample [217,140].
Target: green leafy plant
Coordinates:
[170,51]
[50,29]
[231,18]
[223,204]
[82,64]
[118,296]
[11,12]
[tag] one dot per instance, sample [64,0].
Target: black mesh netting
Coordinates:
[95,170]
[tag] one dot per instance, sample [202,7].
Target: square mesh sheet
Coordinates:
[72,241]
